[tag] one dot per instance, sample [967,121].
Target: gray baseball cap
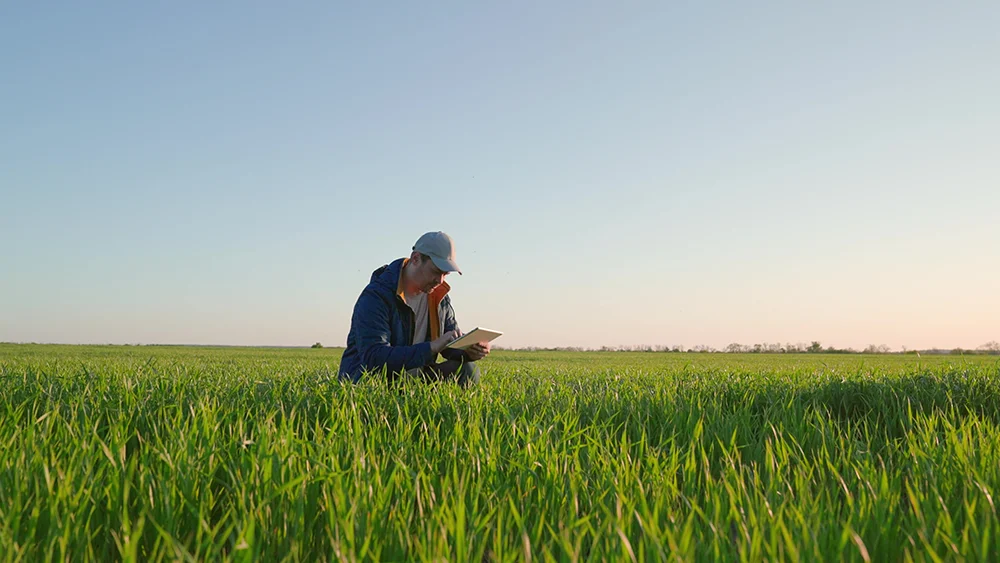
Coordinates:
[440,248]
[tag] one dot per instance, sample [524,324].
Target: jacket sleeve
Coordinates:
[372,316]
[450,323]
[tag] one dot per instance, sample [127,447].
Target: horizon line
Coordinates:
[989,348]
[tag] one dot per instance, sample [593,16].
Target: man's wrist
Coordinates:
[431,352]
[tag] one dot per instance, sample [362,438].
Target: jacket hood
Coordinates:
[387,277]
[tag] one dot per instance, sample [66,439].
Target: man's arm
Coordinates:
[371,318]
[451,324]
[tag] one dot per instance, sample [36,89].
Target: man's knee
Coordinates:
[468,374]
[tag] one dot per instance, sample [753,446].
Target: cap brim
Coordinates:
[445,265]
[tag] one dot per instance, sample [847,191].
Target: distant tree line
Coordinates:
[815,347]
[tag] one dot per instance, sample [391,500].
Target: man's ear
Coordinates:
[415,256]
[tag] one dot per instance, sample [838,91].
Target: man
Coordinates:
[404,319]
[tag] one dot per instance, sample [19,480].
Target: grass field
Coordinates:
[152,453]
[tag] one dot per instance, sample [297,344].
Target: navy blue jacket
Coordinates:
[382,327]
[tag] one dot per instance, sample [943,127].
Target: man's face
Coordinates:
[428,276]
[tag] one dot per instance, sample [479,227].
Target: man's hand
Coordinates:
[478,351]
[442,342]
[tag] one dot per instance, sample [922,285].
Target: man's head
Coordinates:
[423,274]
[432,259]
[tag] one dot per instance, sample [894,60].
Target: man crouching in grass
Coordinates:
[404,319]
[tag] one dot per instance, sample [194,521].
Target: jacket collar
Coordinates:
[396,270]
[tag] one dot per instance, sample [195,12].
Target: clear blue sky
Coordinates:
[637,173]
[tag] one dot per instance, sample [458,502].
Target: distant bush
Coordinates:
[316,345]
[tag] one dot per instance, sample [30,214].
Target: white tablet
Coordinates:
[475,336]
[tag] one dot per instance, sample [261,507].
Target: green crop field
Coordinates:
[164,453]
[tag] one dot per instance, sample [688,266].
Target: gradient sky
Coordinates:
[612,173]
